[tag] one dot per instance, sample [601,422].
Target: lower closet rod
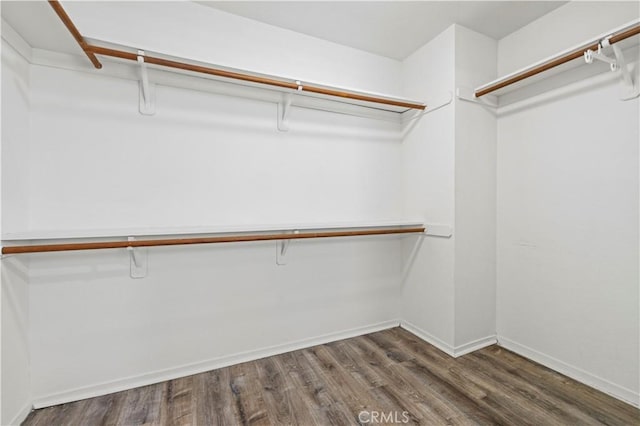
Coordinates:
[202,240]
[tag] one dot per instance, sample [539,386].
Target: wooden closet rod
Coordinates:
[575,54]
[202,240]
[57,7]
[92,51]
[251,78]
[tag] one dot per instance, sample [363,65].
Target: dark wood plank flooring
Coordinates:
[391,375]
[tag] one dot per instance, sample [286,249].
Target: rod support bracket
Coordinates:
[282,246]
[147,92]
[630,89]
[284,108]
[138,260]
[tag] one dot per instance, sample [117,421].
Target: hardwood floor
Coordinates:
[381,378]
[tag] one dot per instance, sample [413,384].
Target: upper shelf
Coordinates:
[202,236]
[94,48]
[301,87]
[199,230]
[558,62]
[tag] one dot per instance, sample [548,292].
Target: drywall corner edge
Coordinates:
[21,416]
[452,351]
[429,338]
[475,345]
[16,41]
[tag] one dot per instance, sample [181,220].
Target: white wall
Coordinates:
[561,29]
[567,245]
[199,308]
[475,194]
[567,210]
[429,179]
[204,159]
[198,161]
[221,38]
[15,385]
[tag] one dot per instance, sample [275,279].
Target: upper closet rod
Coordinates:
[57,7]
[250,78]
[564,58]
[91,51]
[203,240]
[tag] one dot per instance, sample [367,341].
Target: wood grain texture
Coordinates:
[390,371]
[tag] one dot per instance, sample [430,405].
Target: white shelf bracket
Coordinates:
[466,94]
[147,101]
[281,250]
[284,108]
[630,89]
[138,261]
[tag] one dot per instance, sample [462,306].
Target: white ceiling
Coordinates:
[389,28]
[29,18]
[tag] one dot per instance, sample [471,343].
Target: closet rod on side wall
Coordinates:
[562,59]
[57,7]
[202,240]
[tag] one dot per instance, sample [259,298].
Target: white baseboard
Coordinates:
[200,367]
[440,344]
[453,351]
[475,345]
[582,376]
[21,415]
[575,373]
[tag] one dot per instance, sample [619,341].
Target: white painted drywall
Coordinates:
[567,209]
[15,138]
[198,309]
[429,177]
[15,385]
[563,28]
[204,159]
[475,193]
[229,40]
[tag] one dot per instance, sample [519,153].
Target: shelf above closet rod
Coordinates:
[616,36]
[66,20]
[206,240]
[292,85]
[132,54]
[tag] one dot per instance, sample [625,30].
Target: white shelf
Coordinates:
[197,230]
[290,80]
[625,44]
